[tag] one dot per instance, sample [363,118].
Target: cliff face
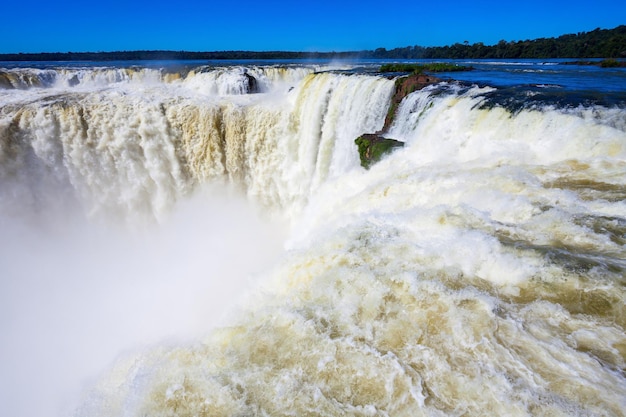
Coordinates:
[404,87]
[373,146]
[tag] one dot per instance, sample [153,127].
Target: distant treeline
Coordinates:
[599,43]
[170,55]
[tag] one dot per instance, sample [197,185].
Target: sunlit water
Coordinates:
[181,242]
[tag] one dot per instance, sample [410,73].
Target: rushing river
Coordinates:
[201,240]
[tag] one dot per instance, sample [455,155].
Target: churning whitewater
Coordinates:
[478,270]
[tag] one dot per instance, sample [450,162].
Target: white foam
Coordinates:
[475,270]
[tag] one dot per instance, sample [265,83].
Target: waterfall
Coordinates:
[136,149]
[477,270]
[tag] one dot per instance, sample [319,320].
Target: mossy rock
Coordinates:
[373,147]
[425,67]
[405,86]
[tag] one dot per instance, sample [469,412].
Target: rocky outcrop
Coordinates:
[252,86]
[372,147]
[404,87]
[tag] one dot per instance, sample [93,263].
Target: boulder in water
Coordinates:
[372,147]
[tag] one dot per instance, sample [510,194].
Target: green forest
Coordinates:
[598,43]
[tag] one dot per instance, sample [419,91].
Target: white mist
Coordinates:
[76,295]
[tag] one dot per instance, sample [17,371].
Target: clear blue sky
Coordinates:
[322,25]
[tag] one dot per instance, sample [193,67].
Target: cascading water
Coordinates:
[139,151]
[477,271]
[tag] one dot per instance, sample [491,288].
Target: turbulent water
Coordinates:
[202,241]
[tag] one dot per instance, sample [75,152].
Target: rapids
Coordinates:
[479,270]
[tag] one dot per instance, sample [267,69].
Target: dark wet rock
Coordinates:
[252,85]
[73,81]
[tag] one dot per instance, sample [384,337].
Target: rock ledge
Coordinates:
[373,146]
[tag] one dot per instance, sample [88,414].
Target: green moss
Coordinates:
[605,63]
[420,68]
[610,63]
[391,112]
[446,67]
[414,68]
[373,147]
